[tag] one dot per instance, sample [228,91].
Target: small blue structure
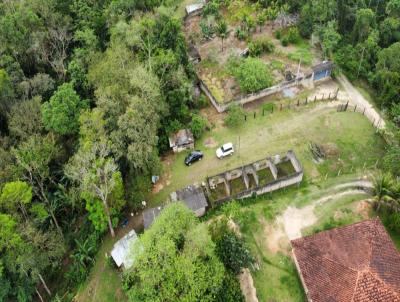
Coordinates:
[322,71]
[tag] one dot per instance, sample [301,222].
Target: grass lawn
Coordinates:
[357,146]
[356,150]
[104,283]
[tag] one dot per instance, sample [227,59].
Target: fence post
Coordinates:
[254,114]
[263,111]
[272,109]
[329,97]
[355,108]
[364,111]
[298,103]
[245,117]
[337,92]
[347,105]
[306,100]
[315,98]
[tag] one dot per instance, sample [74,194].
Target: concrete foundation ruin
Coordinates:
[260,177]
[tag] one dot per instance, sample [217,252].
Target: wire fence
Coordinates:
[377,122]
[293,104]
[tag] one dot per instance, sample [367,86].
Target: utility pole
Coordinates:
[298,71]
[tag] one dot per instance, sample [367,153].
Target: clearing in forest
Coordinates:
[247,31]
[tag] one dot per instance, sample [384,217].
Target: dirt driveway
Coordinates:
[288,226]
[356,98]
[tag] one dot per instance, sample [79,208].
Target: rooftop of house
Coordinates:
[355,263]
[326,65]
[193,196]
[121,252]
[182,137]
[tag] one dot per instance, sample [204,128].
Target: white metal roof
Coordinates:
[121,253]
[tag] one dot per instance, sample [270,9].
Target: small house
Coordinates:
[122,250]
[322,71]
[181,140]
[358,262]
[193,197]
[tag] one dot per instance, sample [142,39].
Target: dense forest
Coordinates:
[90,91]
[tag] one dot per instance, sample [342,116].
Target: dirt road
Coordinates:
[288,226]
[356,98]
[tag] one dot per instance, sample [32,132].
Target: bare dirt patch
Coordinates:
[288,226]
[165,179]
[331,150]
[363,208]
[210,143]
[275,239]
[247,286]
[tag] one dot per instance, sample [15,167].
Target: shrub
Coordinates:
[201,102]
[278,34]
[260,46]
[251,74]
[233,252]
[230,290]
[211,8]
[207,29]
[241,34]
[293,35]
[235,116]
[285,41]
[198,125]
[268,107]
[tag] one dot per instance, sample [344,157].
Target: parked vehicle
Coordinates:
[193,157]
[225,150]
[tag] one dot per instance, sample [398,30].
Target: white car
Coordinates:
[225,150]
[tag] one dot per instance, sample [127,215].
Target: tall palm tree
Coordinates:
[386,192]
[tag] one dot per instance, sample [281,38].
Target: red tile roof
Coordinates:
[355,263]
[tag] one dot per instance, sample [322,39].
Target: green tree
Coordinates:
[233,252]
[252,74]
[198,125]
[330,38]
[235,116]
[25,119]
[393,8]
[387,76]
[261,19]
[175,260]
[222,32]
[391,160]
[365,23]
[389,31]
[16,195]
[386,192]
[96,172]
[33,158]
[61,113]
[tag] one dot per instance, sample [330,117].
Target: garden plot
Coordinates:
[267,43]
